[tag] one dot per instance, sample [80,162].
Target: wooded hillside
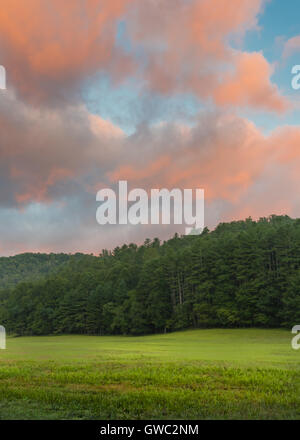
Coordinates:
[242,274]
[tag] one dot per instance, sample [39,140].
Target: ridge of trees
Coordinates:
[30,266]
[242,274]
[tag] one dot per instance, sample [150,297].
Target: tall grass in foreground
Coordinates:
[200,374]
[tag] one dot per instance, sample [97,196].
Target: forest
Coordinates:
[241,274]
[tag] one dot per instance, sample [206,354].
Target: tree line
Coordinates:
[241,274]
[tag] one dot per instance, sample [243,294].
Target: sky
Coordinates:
[161,93]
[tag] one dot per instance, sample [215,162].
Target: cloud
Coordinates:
[222,154]
[53,163]
[291,46]
[250,85]
[55,155]
[51,49]
[41,149]
[187,49]
[242,171]
[48,48]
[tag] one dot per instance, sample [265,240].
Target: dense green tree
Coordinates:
[242,274]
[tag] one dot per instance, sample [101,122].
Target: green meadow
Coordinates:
[197,374]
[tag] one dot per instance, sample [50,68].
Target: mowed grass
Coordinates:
[197,374]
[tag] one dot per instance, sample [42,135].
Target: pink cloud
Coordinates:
[188,49]
[49,47]
[250,85]
[227,156]
[291,46]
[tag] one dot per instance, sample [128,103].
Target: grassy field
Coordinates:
[199,374]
